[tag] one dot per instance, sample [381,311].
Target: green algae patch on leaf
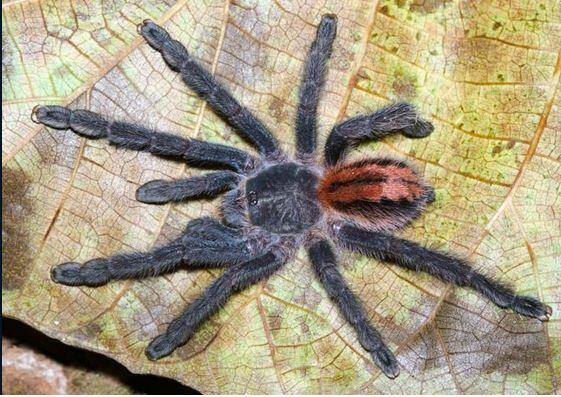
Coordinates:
[486,74]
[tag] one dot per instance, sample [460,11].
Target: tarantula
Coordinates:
[274,203]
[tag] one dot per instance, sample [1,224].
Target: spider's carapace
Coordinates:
[384,193]
[283,198]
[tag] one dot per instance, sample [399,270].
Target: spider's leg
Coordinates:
[204,84]
[324,262]
[399,117]
[205,242]
[133,136]
[233,279]
[313,81]
[209,185]
[446,267]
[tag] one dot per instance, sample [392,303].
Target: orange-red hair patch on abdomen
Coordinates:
[372,181]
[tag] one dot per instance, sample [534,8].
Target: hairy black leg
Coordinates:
[133,136]
[312,84]
[324,262]
[209,185]
[204,84]
[399,117]
[446,267]
[100,271]
[233,279]
[205,242]
[209,242]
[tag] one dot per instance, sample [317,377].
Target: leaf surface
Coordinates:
[486,73]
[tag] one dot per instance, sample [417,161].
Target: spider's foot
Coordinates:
[154,34]
[80,121]
[386,361]
[328,24]
[154,192]
[420,129]
[67,274]
[160,347]
[52,116]
[172,51]
[92,273]
[531,307]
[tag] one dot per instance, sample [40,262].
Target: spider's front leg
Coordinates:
[313,81]
[133,136]
[208,185]
[399,117]
[324,262]
[446,267]
[233,279]
[205,242]
[204,84]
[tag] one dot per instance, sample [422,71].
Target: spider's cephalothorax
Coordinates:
[283,198]
[274,204]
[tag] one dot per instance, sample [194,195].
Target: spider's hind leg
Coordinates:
[235,278]
[323,260]
[100,271]
[446,267]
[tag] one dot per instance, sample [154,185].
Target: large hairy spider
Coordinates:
[274,203]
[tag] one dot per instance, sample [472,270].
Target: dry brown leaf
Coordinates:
[486,73]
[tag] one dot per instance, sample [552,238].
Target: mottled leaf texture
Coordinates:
[486,73]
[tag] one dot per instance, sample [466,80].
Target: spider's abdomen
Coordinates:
[384,193]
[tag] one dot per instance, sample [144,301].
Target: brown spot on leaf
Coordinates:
[309,298]
[516,354]
[362,74]
[92,329]
[384,10]
[304,328]
[16,206]
[403,86]
[427,6]
[499,147]
[275,321]
[277,109]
